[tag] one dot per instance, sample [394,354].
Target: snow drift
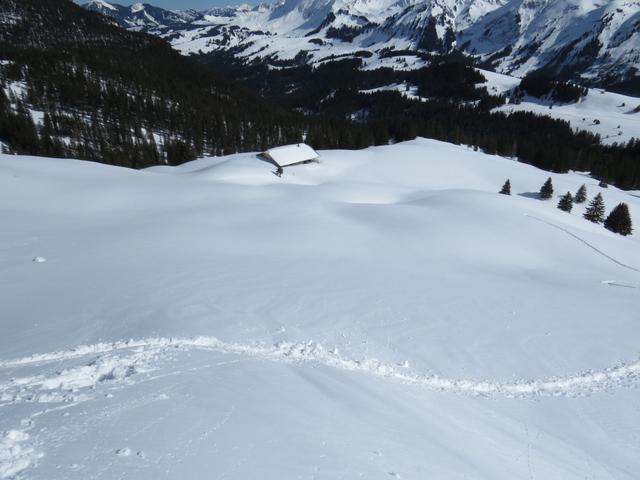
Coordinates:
[381,314]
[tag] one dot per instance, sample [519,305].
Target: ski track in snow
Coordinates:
[581,240]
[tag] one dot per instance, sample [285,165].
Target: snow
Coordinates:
[16,89]
[37,116]
[103,4]
[14,457]
[123,452]
[614,117]
[559,34]
[597,40]
[417,324]
[292,154]
[283,29]
[610,115]
[406,89]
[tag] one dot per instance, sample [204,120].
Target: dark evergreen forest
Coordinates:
[122,98]
[458,110]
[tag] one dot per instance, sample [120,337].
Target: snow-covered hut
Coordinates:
[288,155]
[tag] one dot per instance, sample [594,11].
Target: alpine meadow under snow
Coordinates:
[384,313]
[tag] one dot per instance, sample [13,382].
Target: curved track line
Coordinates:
[581,240]
[583,383]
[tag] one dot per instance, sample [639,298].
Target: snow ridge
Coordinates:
[110,367]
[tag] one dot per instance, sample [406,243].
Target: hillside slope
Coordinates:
[615,118]
[382,314]
[74,84]
[595,41]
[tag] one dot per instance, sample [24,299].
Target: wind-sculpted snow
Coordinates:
[121,360]
[450,331]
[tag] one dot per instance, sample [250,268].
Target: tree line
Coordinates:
[458,110]
[128,99]
[618,220]
[120,97]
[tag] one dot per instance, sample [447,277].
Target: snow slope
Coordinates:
[615,117]
[382,314]
[596,39]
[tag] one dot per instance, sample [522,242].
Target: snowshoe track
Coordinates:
[118,361]
[68,378]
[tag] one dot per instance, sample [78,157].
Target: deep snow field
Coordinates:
[382,314]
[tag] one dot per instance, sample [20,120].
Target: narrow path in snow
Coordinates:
[615,283]
[112,362]
[66,378]
[581,240]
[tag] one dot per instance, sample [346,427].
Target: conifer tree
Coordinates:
[566,202]
[595,210]
[506,188]
[546,191]
[619,220]
[581,194]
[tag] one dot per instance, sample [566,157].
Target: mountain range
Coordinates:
[595,42]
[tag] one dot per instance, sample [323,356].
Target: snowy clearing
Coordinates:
[615,117]
[381,314]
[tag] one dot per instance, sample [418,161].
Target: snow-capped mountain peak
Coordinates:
[101,4]
[592,39]
[143,16]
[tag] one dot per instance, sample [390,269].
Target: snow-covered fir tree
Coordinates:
[595,211]
[581,194]
[546,191]
[506,188]
[619,220]
[566,202]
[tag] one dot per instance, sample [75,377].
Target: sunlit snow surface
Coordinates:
[615,117]
[382,314]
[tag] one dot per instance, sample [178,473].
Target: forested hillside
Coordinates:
[76,85]
[444,100]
